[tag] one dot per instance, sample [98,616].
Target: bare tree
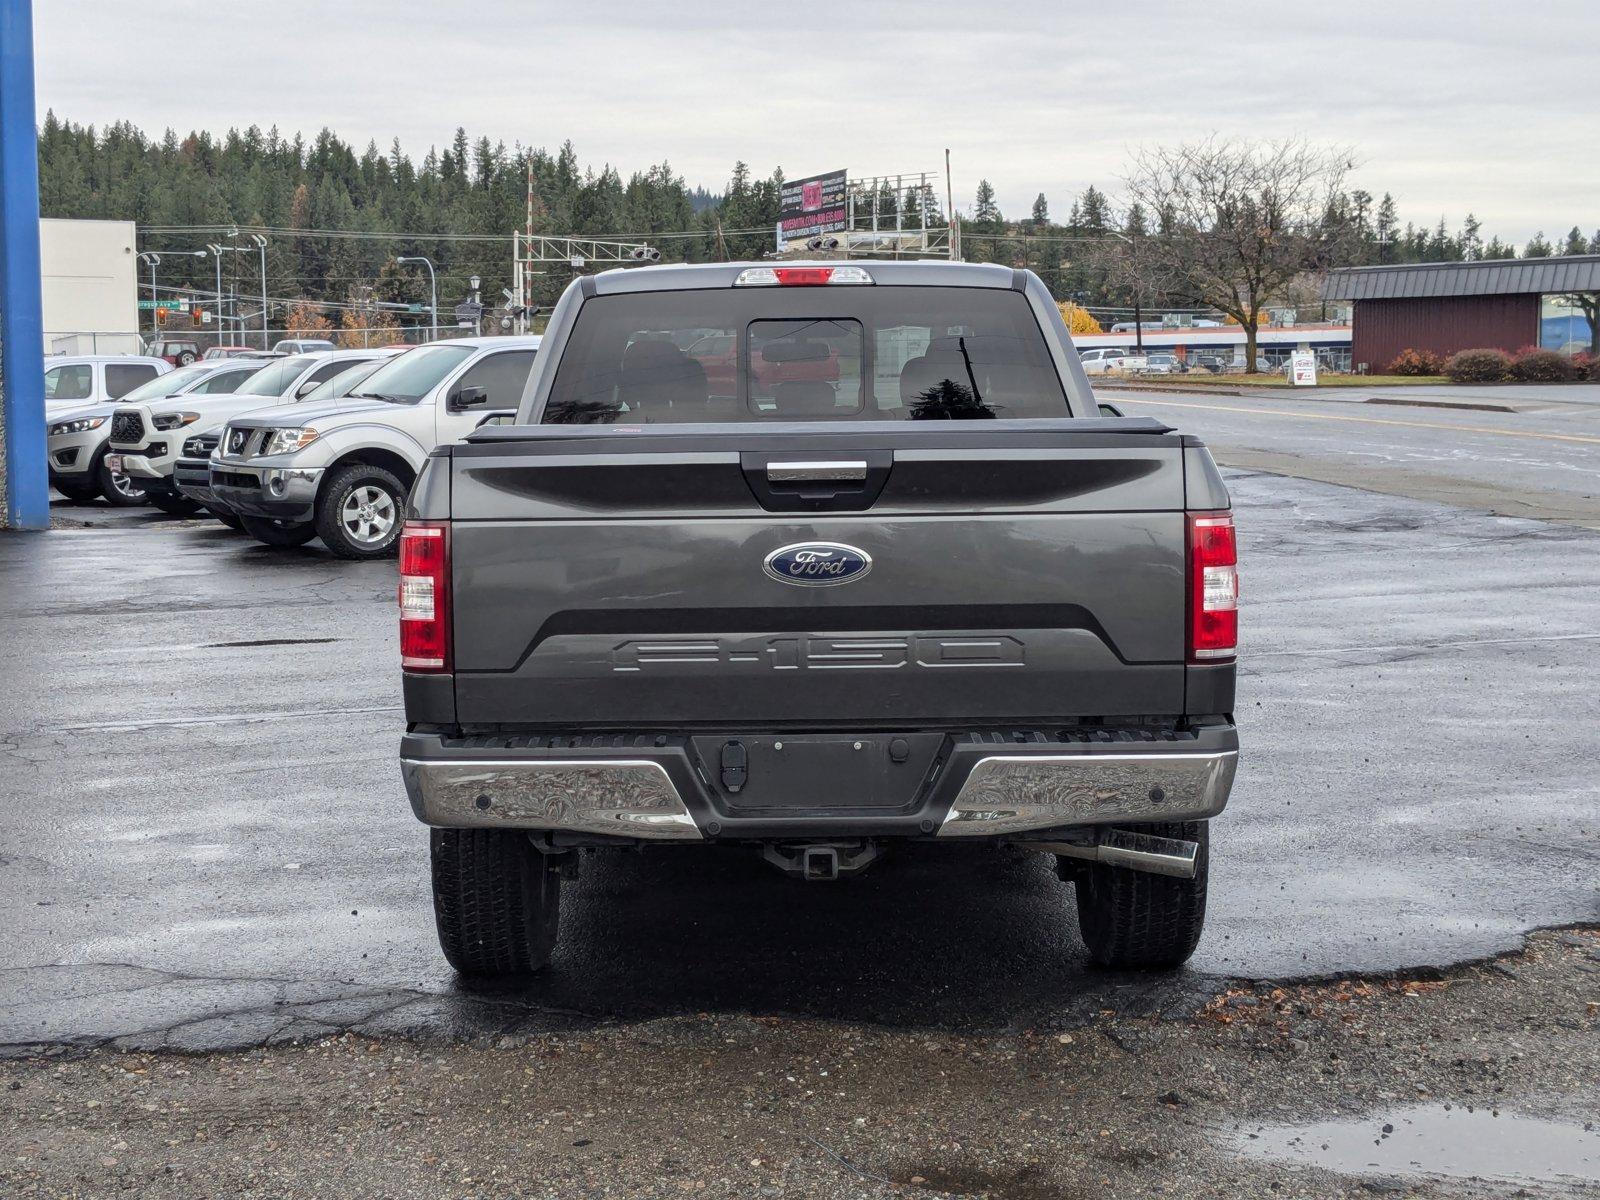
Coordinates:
[1236,222]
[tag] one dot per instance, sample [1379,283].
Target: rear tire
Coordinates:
[78,493]
[277,533]
[360,512]
[119,490]
[496,901]
[173,504]
[1137,921]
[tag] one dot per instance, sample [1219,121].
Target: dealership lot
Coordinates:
[186,871]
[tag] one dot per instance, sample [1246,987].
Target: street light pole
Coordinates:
[433,291]
[216,254]
[261,245]
[1138,291]
[152,261]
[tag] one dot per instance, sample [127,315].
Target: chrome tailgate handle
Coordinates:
[815,472]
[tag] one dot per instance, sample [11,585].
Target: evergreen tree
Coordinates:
[985,212]
[1041,212]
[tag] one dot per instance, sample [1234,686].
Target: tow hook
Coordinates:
[820,862]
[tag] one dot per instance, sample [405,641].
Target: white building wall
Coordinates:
[89,280]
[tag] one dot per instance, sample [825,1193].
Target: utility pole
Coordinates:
[950,207]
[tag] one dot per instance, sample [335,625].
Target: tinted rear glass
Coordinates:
[803,354]
[273,378]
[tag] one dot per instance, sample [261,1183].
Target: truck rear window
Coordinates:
[805,354]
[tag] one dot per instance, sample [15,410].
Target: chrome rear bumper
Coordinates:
[655,793]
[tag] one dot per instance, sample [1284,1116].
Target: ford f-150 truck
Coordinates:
[943,598]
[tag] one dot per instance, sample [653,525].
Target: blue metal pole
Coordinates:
[21,322]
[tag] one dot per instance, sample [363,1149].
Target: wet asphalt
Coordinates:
[208,845]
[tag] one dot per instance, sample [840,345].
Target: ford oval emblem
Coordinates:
[817,564]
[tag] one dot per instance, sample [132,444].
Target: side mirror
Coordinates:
[306,388]
[469,397]
[1110,410]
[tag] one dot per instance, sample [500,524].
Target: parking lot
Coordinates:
[211,849]
[178,771]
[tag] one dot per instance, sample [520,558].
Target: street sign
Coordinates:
[168,305]
[1303,368]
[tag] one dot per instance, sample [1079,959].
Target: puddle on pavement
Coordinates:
[1442,1141]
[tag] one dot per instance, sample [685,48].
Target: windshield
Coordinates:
[275,378]
[344,382]
[166,385]
[806,354]
[414,374]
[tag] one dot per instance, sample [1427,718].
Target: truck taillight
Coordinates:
[425,597]
[1213,587]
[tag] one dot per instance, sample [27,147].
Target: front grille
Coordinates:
[236,479]
[237,438]
[127,426]
[200,447]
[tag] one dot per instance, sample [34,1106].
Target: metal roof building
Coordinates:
[1508,304]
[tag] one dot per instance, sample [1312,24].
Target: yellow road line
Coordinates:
[1279,412]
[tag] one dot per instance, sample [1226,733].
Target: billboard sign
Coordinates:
[811,206]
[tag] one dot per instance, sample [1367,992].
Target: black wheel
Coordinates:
[185,357]
[1137,921]
[173,504]
[119,490]
[360,511]
[496,901]
[78,492]
[277,533]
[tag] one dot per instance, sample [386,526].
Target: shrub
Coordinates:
[1478,366]
[1592,373]
[1542,366]
[1416,362]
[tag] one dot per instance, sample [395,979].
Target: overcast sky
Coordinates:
[1453,105]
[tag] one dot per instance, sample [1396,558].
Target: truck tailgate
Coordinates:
[616,579]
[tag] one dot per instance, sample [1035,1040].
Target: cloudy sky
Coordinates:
[1453,105]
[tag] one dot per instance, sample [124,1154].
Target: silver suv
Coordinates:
[147,438]
[342,469]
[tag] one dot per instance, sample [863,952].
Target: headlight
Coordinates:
[175,420]
[81,425]
[287,441]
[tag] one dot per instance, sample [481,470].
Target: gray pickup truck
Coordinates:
[825,560]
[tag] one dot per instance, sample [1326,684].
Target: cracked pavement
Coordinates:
[210,848]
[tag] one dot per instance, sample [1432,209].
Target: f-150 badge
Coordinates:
[817,564]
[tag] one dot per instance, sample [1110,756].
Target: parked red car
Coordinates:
[719,356]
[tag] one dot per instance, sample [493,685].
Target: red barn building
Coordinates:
[1506,304]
